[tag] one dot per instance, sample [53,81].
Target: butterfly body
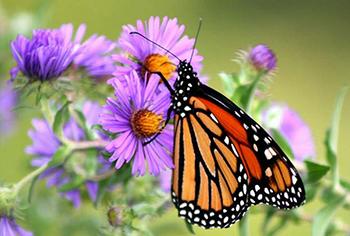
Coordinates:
[224,161]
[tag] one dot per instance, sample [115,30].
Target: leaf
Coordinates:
[331,140]
[311,191]
[282,142]
[270,212]
[80,119]
[227,83]
[61,118]
[91,161]
[189,227]
[278,226]
[76,182]
[248,96]
[324,217]
[59,156]
[345,184]
[315,171]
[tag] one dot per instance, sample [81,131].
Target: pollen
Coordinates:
[145,123]
[159,63]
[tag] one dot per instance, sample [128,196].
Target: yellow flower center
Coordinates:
[145,123]
[158,63]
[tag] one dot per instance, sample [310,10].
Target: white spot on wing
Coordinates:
[187,108]
[213,117]
[227,140]
[268,154]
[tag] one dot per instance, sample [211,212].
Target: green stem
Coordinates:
[27,179]
[334,134]
[254,86]
[98,143]
[46,110]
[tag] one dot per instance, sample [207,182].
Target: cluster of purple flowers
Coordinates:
[50,52]
[139,109]
[46,143]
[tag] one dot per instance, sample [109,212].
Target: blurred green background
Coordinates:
[311,40]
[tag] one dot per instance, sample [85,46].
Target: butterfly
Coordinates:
[225,162]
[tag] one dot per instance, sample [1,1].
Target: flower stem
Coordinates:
[98,143]
[28,178]
[254,86]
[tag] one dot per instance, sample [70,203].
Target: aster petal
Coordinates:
[80,33]
[151,157]
[167,33]
[139,167]
[9,227]
[74,197]
[92,188]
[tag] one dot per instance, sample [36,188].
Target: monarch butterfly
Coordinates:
[224,161]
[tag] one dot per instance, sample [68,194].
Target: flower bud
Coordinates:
[262,58]
[115,217]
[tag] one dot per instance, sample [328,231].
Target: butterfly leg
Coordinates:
[165,81]
[161,129]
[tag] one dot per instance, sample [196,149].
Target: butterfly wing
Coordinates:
[272,178]
[209,185]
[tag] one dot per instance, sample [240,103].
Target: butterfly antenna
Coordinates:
[197,34]
[139,34]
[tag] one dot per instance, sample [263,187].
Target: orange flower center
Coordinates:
[158,63]
[145,123]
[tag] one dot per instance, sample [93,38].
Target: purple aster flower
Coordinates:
[51,51]
[95,55]
[8,100]
[136,115]
[262,58]
[138,54]
[45,144]
[46,55]
[9,227]
[293,129]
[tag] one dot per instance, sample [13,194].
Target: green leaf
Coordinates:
[331,140]
[227,81]
[311,191]
[282,142]
[315,171]
[76,182]
[91,161]
[324,217]
[59,156]
[189,227]
[282,222]
[248,96]
[81,120]
[345,184]
[61,118]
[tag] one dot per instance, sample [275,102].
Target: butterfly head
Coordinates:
[186,73]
